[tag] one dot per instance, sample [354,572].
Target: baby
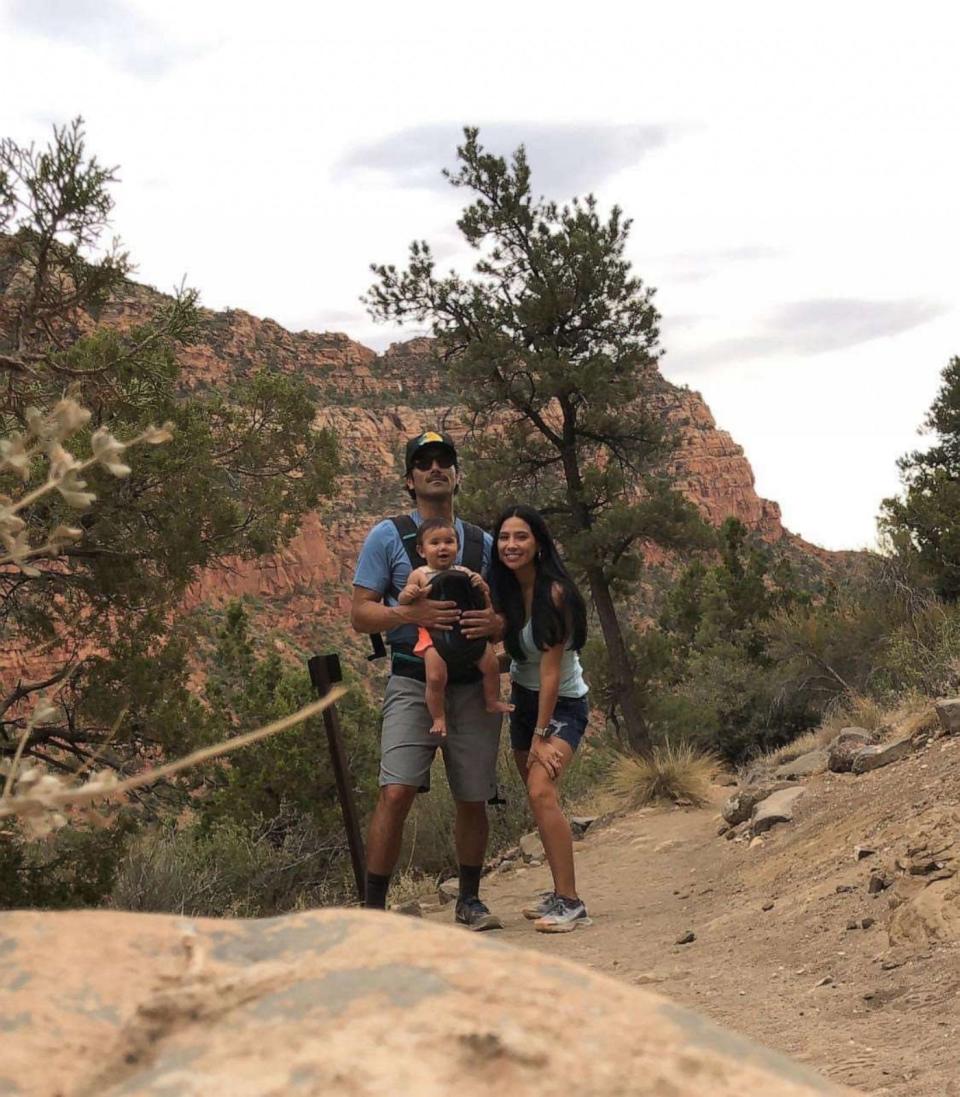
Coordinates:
[437,543]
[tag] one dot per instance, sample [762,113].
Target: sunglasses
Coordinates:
[426,462]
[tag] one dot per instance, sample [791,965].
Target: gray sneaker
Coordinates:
[476,915]
[540,906]
[563,916]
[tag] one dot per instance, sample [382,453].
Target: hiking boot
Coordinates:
[540,906]
[475,914]
[563,916]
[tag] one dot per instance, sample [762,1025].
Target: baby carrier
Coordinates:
[455,649]
[459,653]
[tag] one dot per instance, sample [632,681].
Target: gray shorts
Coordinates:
[469,750]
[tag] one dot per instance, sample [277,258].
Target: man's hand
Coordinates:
[544,752]
[476,624]
[429,613]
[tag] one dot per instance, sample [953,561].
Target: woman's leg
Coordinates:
[436,670]
[544,794]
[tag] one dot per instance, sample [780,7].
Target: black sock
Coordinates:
[376,892]
[470,881]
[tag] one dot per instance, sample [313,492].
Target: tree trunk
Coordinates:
[621,672]
[618,658]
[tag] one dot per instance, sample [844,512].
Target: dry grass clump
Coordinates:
[912,714]
[856,711]
[814,739]
[675,771]
[408,885]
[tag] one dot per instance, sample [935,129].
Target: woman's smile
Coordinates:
[516,544]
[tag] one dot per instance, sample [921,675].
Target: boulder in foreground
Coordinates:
[343,1002]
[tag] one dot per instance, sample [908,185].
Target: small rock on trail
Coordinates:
[873,757]
[776,808]
[842,750]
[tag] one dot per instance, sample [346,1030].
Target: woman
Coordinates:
[546,625]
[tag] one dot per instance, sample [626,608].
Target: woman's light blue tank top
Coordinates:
[527,673]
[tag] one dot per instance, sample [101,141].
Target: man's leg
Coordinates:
[406,750]
[470,755]
[383,840]
[471,830]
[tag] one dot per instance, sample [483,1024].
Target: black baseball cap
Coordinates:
[429,438]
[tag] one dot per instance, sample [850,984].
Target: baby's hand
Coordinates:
[477,580]
[410,593]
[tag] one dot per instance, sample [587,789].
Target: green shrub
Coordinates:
[75,866]
[923,653]
[229,870]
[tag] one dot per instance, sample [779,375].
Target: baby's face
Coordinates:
[439,548]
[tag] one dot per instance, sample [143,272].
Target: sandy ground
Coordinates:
[887,1021]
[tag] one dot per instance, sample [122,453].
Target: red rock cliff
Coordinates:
[373,402]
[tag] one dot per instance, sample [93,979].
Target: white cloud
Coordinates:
[108,28]
[816,327]
[565,159]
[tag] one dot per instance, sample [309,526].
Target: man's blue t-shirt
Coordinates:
[384,566]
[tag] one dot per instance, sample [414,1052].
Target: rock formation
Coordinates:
[373,402]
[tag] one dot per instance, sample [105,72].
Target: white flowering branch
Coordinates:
[45,436]
[36,797]
[29,793]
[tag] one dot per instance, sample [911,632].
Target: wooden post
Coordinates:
[324,674]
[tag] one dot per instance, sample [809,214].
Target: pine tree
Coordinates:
[554,345]
[923,524]
[98,614]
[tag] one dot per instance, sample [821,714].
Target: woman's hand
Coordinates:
[546,753]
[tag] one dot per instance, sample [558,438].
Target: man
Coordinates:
[407,747]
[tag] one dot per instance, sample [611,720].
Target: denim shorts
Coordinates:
[568,723]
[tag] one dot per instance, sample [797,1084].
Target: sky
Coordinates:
[790,168]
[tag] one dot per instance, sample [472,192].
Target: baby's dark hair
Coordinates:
[429,524]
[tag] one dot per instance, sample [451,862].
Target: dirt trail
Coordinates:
[651,876]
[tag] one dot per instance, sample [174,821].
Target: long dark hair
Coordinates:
[552,623]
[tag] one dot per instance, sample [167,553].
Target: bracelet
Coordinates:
[543,733]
